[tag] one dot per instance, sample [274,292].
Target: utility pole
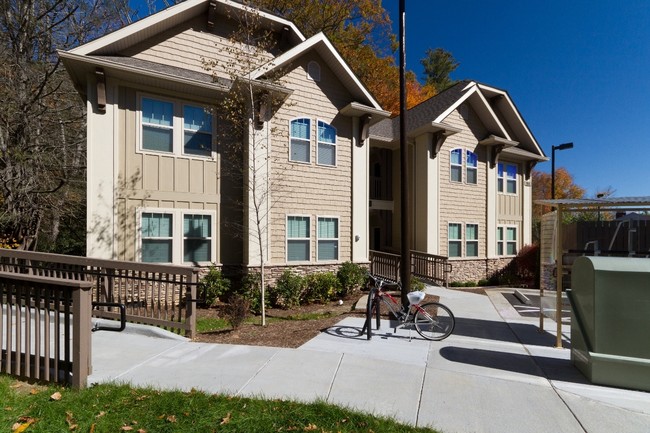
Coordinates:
[405,262]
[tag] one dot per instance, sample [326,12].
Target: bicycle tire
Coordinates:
[369,310]
[434,321]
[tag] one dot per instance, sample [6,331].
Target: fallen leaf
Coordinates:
[16,385]
[70,420]
[100,414]
[92,428]
[226,419]
[9,408]
[171,418]
[126,428]
[56,396]
[311,427]
[33,391]
[142,430]
[19,428]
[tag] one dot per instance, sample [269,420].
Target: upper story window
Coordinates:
[456,165]
[326,144]
[507,178]
[172,127]
[313,71]
[471,167]
[300,136]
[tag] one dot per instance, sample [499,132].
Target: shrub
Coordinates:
[527,261]
[483,282]
[416,284]
[288,290]
[236,310]
[351,276]
[213,285]
[470,284]
[250,290]
[320,287]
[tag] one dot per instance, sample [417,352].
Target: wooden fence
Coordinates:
[429,267]
[159,295]
[45,328]
[626,238]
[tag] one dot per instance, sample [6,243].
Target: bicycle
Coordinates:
[433,320]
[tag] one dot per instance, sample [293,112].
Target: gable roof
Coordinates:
[321,45]
[494,106]
[167,18]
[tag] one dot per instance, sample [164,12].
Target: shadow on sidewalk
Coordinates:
[523,333]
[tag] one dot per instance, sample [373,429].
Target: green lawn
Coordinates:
[113,408]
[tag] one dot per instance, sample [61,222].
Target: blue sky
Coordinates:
[577,70]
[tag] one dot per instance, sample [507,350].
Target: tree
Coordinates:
[564,188]
[42,141]
[438,65]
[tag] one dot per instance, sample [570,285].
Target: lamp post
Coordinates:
[553,149]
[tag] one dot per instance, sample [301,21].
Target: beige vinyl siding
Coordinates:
[462,202]
[154,180]
[510,206]
[310,189]
[185,46]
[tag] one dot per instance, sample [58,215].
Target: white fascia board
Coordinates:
[298,50]
[456,104]
[167,14]
[494,115]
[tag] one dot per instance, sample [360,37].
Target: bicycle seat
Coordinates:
[415,297]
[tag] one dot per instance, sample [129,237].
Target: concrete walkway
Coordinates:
[496,373]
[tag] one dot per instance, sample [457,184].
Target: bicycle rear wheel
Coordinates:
[434,321]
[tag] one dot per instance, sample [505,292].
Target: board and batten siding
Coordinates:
[156,180]
[310,189]
[461,202]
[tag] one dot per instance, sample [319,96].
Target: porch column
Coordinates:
[360,194]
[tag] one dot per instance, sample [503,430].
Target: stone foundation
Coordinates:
[476,269]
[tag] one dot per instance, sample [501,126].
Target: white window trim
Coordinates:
[466,240]
[178,251]
[505,241]
[286,239]
[311,133]
[467,167]
[338,239]
[335,145]
[178,146]
[461,165]
[504,178]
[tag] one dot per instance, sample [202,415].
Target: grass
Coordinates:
[120,408]
[211,324]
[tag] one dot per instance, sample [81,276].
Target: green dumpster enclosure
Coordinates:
[610,322]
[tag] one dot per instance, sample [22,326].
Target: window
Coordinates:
[507,178]
[313,71]
[455,240]
[326,144]
[472,168]
[471,240]
[328,238]
[197,238]
[300,136]
[456,165]
[298,228]
[189,134]
[197,131]
[157,237]
[506,241]
[157,125]
[177,236]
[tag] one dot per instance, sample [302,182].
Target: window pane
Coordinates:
[197,119]
[157,250]
[500,248]
[156,225]
[472,175]
[197,226]
[298,227]
[512,248]
[471,232]
[197,250]
[297,250]
[500,170]
[326,154]
[328,228]
[471,249]
[157,112]
[456,173]
[456,156]
[326,133]
[511,171]
[500,233]
[472,159]
[512,186]
[299,150]
[454,248]
[511,233]
[300,129]
[454,231]
[197,143]
[328,250]
[154,138]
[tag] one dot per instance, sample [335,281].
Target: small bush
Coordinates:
[483,282]
[416,284]
[250,290]
[470,284]
[351,276]
[527,261]
[320,287]
[236,310]
[288,290]
[213,285]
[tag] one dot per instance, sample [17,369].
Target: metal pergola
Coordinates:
[609,204]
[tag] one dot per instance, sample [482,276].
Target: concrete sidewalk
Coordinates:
[496,373]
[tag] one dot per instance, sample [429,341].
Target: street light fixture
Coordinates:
[553,149]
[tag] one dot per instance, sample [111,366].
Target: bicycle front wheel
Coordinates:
[434,321]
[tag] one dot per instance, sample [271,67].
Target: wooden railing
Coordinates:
[45,328]
[159,295]
[429,267]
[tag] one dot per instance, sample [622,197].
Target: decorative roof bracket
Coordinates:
[212,14]
[364,129]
